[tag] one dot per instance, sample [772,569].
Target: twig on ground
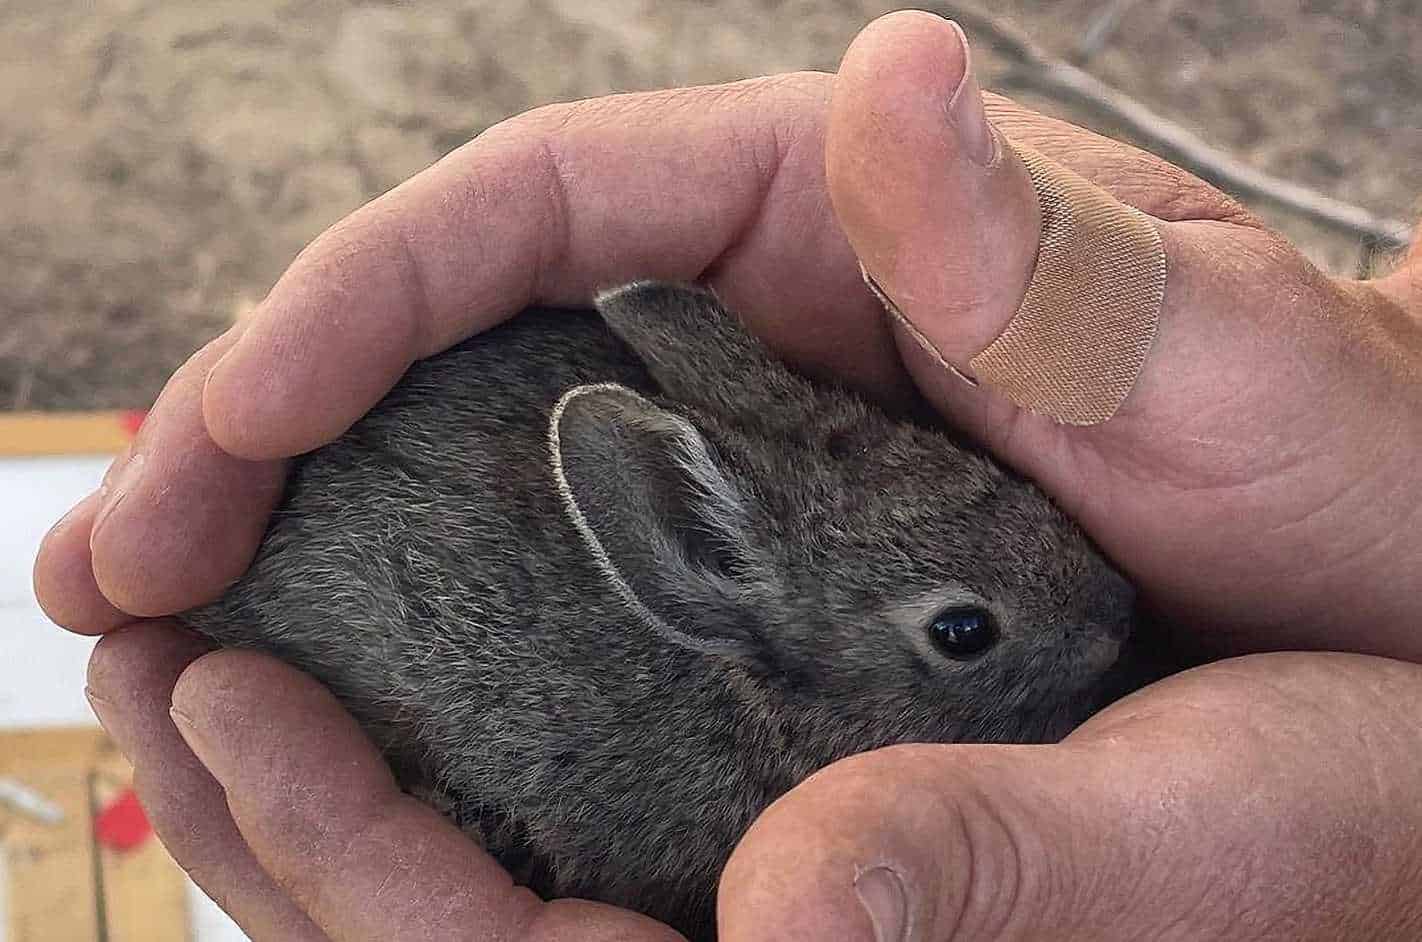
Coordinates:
[1037,70]
[1099,31]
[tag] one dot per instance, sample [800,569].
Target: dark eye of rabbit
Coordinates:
[964,632]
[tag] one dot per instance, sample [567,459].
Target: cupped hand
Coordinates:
[1271,797]
[724,184]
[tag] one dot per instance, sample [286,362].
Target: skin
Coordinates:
[1256,483]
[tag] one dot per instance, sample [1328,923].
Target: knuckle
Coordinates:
[998,891]
[989,864]
[1175,194]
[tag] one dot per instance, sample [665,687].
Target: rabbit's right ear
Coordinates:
[699,353]
[668,529]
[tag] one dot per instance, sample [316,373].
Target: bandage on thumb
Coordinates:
[1077,343]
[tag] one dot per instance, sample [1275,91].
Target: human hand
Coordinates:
[725,184]
[1268,797]
[1268,445]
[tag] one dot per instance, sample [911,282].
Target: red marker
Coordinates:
[121,824]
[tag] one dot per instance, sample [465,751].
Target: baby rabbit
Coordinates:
[604,587]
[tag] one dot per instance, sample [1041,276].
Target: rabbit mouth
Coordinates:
[1105,654]
[1127,674]
[1096,658]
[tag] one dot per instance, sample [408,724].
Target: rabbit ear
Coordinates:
[664,524]
[699,353]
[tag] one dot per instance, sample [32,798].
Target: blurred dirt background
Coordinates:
[160,163]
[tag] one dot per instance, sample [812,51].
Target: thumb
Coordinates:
[1220,803]
[937,209]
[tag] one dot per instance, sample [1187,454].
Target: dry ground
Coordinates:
[160,163]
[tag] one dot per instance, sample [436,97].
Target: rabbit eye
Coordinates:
[964,632]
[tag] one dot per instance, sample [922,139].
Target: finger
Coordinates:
[176,522]
[322,813]
[723,182]
[64,581]
[1268,798]
[1253,345]
[131,678]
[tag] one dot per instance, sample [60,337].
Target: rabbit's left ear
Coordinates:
[667,527]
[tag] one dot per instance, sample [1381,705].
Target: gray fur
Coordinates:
[605,629]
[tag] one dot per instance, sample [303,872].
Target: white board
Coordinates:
[41,666]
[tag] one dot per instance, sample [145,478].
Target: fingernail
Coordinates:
[193,737]
[100,706]
[966,113]
[115,491]
[216,368]
[231,337]
[882,894]
[73,511]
